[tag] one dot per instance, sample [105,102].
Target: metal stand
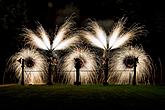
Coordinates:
[134,76]
[22,62]
[77,66]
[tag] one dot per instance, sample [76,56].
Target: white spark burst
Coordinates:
[41,39]
[35,66]
[122,73]
[88,69]
[117,37]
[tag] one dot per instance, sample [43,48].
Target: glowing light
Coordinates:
[116,38]
[121,66]
[35,66]
[88,67]
[40,38]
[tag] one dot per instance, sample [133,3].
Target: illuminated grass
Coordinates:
[60,96]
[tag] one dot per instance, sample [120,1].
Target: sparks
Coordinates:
[121,66]
[117,37]
[40,37]
[35,66]
[88,69]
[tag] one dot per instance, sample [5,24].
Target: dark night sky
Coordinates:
[14,14]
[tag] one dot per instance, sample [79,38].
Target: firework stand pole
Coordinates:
[50,82]
[105,67]
[77,66]
[23,64]
[134,76]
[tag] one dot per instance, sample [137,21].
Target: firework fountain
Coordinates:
[29,66]
[62,40]
[86,64]
[115,39]
[122,66]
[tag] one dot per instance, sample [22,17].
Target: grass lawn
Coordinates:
[60,96]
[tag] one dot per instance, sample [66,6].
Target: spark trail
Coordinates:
[41,39]
[121,66]
[88,67]
[118,36]
[63,38]
[35,66]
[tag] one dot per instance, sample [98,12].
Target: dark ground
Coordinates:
[60,96]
